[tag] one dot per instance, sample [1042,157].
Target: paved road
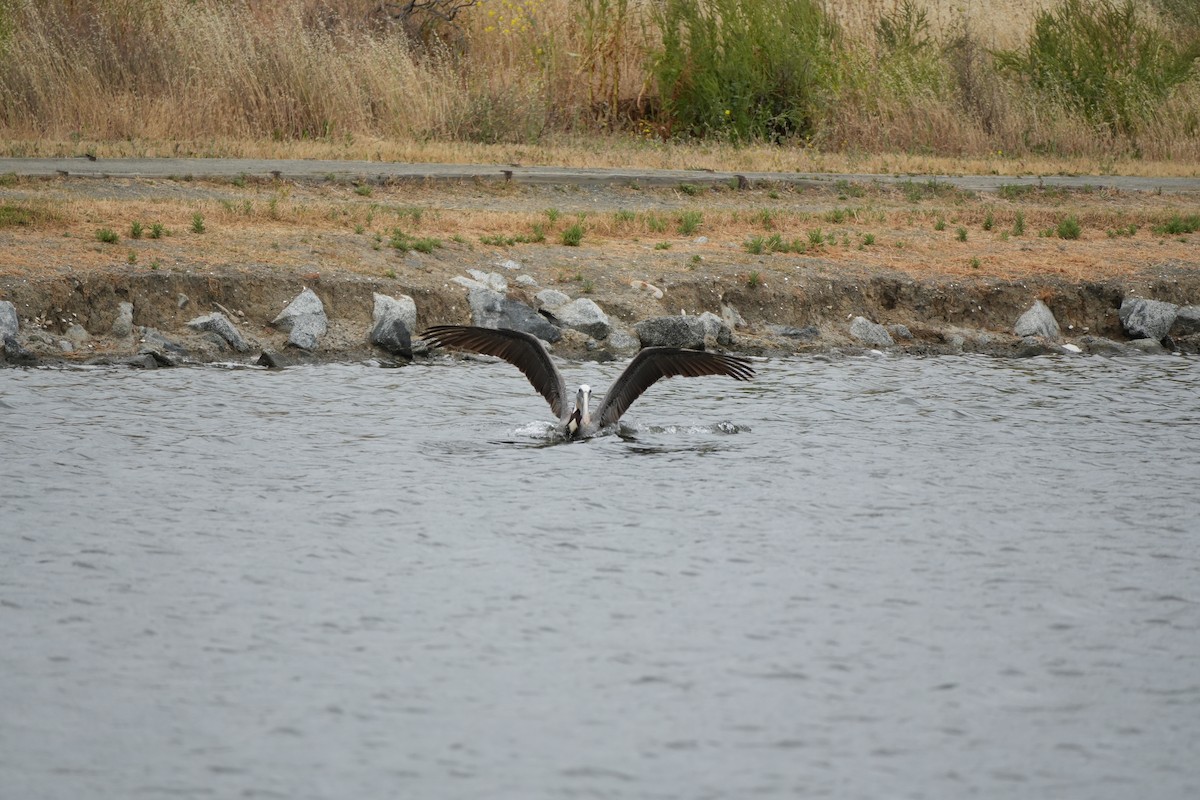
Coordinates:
[293,169]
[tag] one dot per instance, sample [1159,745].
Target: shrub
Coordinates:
[1101,60]
[1069,228]
[743,69]
[107,235]
[689,222]
[1179,224]
[573,235]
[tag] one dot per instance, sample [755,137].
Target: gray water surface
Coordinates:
[869,578]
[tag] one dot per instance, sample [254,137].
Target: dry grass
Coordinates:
[294,229]
[530,82]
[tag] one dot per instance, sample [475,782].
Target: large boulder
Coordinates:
[1038,321]
[122,326]
[584,315]
[552,299]
[686,332]
[304,320]
[870,333]
[9,324]
[1187,321]
[1147,319]
[715,328]
[491,309]
[219,324]
[393,320]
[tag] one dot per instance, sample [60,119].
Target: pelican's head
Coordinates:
[582,398]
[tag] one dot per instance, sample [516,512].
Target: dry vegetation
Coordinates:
[550,81]
[627,232]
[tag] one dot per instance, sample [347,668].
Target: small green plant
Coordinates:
[587,286]
[989,221]
[655,223]
[975,262]
[960,233]
[753,280]
[107,235]
[663,246]
[847,189]
[940,225]
[775,244]
[404,242]
[132,257]
[755,245]
[239,180]
[358,229]
[362,190]
[868,239]
[389,273]
[197,223]
[697,258]
[573,235]
[1179,224]
[764,217]
[157,231]
[1122,231]
[623,216]
[815,237]
[1069,228]
[689,222]
[135,230]
[690,189]
[154,264]
[552,214]
[1019,224]
[837,216]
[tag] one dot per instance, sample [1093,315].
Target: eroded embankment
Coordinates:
[71,317]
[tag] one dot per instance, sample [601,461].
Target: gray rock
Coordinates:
[1148,346]
[304,319]
[508,263]
[1037,321]
[14,353]
[686,332]
[218,324]
[122,326]
[393,321]
[899,332]
[76,334]
[9,324]
[526,280]
[492,280]
[1031,346]
[491,309]
[584,315]
[66,346]
[1147,319]
[621,342]
[160,358]
[552,299]
[154,341]
[141,361]
[1098,345]
[870,333]
[1187,321]
[181,301]
[732,318]
[806,334]
[716,328]
[269,360]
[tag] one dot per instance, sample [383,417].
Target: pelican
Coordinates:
[527,353]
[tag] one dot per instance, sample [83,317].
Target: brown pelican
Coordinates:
[527,353]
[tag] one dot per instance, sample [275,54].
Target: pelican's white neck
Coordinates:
[582,401]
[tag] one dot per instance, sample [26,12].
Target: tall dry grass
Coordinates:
[527,72]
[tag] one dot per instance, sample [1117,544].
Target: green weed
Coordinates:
[1069,228]
[107,235]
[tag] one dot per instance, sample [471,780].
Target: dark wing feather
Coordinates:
[524,351]
[654,363]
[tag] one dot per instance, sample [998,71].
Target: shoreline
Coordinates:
[913,289]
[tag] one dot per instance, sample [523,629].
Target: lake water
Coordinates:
[859,578]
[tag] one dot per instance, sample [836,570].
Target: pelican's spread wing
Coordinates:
[654,363]
[524,351]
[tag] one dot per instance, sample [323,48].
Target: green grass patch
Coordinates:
[1069,228]
[404,242]
[107,235]
[689,222]
[573,234]
[1179,224]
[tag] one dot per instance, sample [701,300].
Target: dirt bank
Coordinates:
[955,265]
